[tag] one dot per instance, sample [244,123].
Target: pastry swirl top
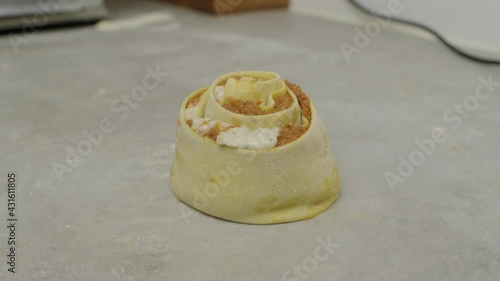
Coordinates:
[247,109]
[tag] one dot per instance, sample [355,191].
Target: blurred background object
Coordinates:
[220,7]
[469,25]
[34,14]
[466,26]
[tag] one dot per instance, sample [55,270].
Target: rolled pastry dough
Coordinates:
[292,182]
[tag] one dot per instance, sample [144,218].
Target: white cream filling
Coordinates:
[202,125]
[191,112]
[243,137]
[239,137]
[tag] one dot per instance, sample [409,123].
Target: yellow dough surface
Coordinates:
[291,182]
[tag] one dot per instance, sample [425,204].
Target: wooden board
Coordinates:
[220,7]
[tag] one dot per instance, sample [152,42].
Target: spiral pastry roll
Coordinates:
[251,148]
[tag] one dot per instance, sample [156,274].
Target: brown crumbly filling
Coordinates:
[194,101]
[305,103]
[253,108]
[213,132]
[290,133]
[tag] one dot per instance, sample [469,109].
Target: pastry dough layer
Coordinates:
[292,182]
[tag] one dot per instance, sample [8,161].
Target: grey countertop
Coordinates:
[112,215]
